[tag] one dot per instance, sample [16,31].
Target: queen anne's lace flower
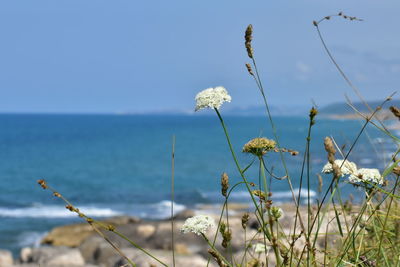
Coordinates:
[212,98]
[347,168]
[366,175]
[198,224]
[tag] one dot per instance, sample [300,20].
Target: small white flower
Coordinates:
[212,98]
[347,168]
[198,224]
[366,175]
[260,248]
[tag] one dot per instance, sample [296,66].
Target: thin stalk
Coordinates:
[173,199]
[213,247]
[240,171]
[386,217]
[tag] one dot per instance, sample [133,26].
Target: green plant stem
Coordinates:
[172,199]
[213,247]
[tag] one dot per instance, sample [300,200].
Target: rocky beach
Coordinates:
[79,245]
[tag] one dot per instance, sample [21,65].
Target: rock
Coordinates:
[146,230]
[143,260]
[72,257]
[54,256]
[6,259]
[25,255]
[73,235]
[90,246]
[184,215]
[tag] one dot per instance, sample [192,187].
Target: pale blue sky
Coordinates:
[98,56]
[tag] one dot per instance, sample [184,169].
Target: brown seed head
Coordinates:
[249,49]
[217,257]
[313,113]
[249,34]
[249,69]
[111,228]
[259,194]
[224,184]
[395,111]
[330,148]
[56,194]
[245,219]
[396,170]
[42,183]
[70,208]
[315,23]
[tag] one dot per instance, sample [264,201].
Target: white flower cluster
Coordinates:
[347,168]
[356,175]
[366,175]
[212,98]
[198,224]
[260,248]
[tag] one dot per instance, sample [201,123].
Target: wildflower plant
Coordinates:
[330,232]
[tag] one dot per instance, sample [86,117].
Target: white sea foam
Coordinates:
[278,194]
[52,211]
[160,210]
[30,239]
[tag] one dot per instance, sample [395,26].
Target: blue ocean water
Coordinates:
[112,164]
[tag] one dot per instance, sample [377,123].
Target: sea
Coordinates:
[110,165]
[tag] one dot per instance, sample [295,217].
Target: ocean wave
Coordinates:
[30,239]
[277,194]
[52,211]
[160,210]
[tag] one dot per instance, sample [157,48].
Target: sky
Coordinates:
[98,56]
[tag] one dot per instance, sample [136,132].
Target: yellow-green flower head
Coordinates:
[259,146]
[277,212]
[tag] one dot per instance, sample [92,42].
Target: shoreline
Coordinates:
[78,245]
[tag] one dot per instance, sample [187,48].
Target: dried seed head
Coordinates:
[56,194]
[249,69]
[315,23]
[259,146]
[249,49]
[313,113]
[226,235]
[249,34]
[260,194]
[217,257]
[224,184]
[70,208]
[248,38]
[330,148]
[396,170]
[111,228]
[245,219]
[395,111]
[42,183]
